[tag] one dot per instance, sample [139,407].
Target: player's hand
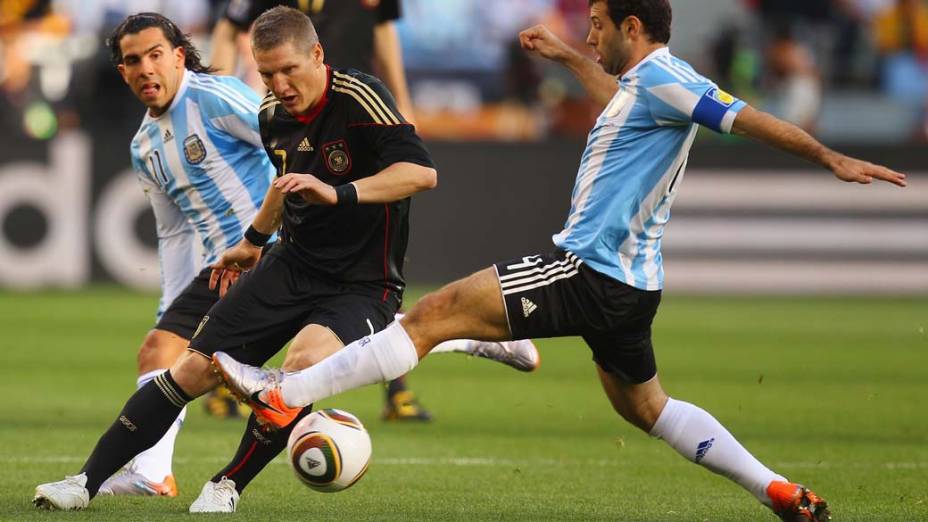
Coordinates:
[863,172]
[234,261]
[309,187]
[541,40]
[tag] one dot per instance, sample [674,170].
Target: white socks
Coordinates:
[155,462]
[700,438]
[383,356]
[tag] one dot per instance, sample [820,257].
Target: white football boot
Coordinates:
[131,482]
[216,497]
[68,494]
[521,355]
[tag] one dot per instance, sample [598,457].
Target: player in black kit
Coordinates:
[356,34]
[347,164]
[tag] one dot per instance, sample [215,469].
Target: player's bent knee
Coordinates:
[159,350]
[194,373]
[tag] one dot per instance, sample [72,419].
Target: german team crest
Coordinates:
[194,150]
[337,158]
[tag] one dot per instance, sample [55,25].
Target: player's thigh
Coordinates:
[267,302]
[638,403]
[470,308]
[346,314]
[312,344]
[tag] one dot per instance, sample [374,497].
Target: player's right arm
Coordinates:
[787,137]
[176,243]
[600,85]
[245,254]
[224,52]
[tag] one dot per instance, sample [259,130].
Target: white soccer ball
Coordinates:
[329,450]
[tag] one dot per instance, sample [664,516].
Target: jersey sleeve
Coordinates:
[375,114]
[243,13]
[176,244]
[693,100]
[388,10]
[231,107]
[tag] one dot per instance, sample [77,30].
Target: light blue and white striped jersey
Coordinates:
[633,164]
[204,169]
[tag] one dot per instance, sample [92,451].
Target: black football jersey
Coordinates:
[345,27]
[355,131]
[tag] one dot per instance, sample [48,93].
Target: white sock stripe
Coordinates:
[570,259]
[543,283]
[389,115]
[169,392]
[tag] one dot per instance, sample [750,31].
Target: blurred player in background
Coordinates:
[200,159]
[604,279]
[357,34]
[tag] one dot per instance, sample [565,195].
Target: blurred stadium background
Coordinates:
[77,246]
[507,132]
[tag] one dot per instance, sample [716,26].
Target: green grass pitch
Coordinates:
[829,392]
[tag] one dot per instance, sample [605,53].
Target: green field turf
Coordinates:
[830,392]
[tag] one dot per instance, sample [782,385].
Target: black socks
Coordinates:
[259,446]
[144,419]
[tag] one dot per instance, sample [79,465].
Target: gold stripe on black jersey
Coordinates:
[370,104]
[369,93]
[268,101]
[358,98]
[388,114]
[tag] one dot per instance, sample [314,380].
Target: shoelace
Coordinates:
[224,489]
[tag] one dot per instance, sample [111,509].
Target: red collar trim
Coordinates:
[315,111]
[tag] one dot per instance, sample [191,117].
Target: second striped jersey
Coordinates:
[633,164]
[205,172]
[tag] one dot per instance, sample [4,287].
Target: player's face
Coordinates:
[608,41]
[295,77]
[152,68]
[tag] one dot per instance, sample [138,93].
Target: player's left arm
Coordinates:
[785,136]
[398,181]
[388,60]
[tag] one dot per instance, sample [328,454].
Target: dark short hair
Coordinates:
[280,25]
[134,24]
[655,15]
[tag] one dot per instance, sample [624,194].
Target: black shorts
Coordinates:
[270,304]
[188,308]
[557,295]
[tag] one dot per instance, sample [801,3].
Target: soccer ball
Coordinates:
[329,450]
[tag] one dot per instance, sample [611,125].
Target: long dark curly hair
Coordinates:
[137,23]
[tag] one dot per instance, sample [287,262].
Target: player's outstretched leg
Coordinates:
[469,308]
[149,473]
[521,355]
[700,438]
[143,421]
